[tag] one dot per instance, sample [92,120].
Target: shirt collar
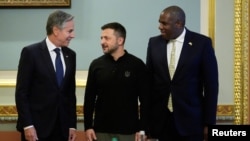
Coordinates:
[181,37]
[50,45]
[111,57]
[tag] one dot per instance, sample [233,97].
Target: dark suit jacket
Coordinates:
[39,100]
[194,87]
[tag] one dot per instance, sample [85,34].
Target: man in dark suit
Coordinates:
[193,87]
[46,107]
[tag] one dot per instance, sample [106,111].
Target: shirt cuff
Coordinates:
[27,127]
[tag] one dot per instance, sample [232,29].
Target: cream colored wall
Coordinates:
[204,8]
[8,80]
[223,38]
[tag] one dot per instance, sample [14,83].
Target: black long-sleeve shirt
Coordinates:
[113,93]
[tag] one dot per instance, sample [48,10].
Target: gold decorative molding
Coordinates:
[10,110]
[225,110]
[34,3]
[241,61]
[79,110]
[9,113]
[211,24]
[8,78]
[12,82]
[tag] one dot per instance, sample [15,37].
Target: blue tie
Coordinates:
[59,67]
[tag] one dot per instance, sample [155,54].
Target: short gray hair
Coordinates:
[58,18]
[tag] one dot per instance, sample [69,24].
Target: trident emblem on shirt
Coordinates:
[127,74]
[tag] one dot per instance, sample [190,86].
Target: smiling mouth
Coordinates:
[104,48]
[163,33]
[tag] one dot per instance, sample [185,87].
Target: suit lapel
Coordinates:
[184,52]
[47,61]
[66,56]
[163,46]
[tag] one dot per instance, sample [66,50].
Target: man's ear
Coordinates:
[120,40]
[179,23]
[55,30]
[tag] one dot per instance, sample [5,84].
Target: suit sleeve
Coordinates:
[211,83]
[23,81]
[72,88]
[89,99]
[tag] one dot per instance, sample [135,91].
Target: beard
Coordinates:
[110,50]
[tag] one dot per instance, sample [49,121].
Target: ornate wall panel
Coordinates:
[241,61]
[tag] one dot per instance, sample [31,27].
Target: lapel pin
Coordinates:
[190,43]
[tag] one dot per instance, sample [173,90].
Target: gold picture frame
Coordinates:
[34,3]
[241,58]
[241,61]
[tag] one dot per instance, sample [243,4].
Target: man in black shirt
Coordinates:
[117,84]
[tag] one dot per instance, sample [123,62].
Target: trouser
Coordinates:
[114,137]
[170,133]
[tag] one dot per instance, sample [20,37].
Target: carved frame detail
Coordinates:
[241,61]
[34,3]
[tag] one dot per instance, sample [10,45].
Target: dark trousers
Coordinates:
[111,137]
[170,133]
[56,135]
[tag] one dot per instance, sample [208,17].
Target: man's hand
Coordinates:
[90,135]
[139,137]
[72,134]
[205,133]
[30,134]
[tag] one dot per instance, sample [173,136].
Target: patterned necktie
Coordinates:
[59,67]
[171,71]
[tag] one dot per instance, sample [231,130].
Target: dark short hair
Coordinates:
[177,13]
[119,29]
[58,18]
